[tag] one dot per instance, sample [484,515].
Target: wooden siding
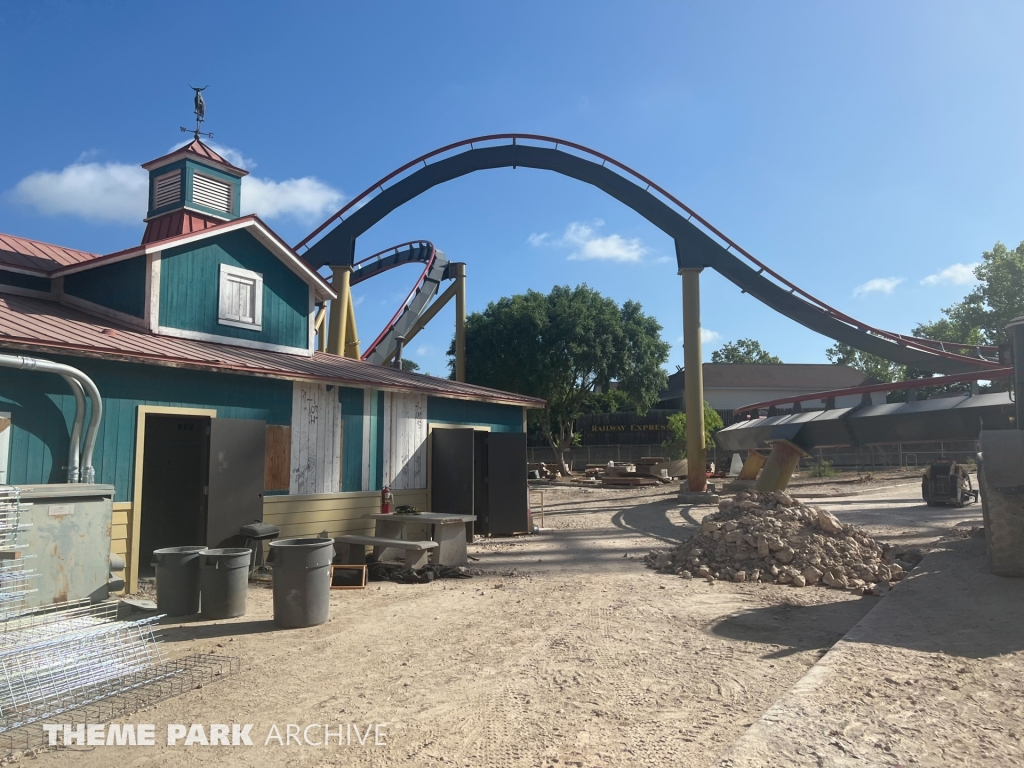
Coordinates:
[120,532]
[337,513]
[42,410]
[278,459]
[500,418]
[404,450]
[316,439]
[120,286]
[189,286]
[351,438]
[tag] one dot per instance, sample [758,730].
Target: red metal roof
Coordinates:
[39,257]
[177,223]
[42,326]
[197,149]
[45,259]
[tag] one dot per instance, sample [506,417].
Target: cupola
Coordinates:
[190,189]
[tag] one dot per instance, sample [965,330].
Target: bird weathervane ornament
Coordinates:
[200,110]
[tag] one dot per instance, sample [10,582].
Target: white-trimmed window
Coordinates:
[241,298]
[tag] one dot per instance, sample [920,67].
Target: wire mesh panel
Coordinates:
[74,658]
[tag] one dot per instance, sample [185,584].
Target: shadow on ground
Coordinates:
[795,627]
[951,604]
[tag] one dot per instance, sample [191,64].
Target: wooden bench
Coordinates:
[352,549]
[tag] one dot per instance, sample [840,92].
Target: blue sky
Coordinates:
[866,151]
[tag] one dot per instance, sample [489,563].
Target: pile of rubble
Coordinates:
[772,538]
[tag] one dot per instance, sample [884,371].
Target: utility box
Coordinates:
[1001,480]
[67,533]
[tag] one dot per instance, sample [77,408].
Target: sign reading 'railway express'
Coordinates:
[624,428]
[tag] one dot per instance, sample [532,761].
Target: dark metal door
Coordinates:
[451,471]
[507,492]
[236,477]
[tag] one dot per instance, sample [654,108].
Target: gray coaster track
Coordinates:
[434,271]
[697,243]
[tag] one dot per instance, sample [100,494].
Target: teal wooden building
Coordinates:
[201,341]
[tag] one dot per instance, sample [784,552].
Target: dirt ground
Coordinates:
[566,652]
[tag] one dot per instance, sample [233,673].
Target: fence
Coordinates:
[871,457]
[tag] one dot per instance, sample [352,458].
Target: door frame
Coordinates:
[141,413]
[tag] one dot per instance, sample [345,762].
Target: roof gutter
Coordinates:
[79,471]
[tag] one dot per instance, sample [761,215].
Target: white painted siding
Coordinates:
[724,399]
[405,440]
[316,439]
[369,408]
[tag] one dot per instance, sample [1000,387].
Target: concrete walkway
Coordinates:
[933,676]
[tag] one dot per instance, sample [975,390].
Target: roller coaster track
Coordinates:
[699,244]
[435,270]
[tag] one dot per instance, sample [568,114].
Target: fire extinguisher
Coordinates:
[385,500]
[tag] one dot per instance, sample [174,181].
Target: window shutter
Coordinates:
[212,193]
[167,189]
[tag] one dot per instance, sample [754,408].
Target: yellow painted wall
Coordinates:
[337,513]
[120,534]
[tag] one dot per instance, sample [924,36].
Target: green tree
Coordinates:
[996,300]
[410,365]
[676,445]
[743,351]
[559,347]
[872,365]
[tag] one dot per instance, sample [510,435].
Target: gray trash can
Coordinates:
[302,581]
[1001,480]
[177,580]
[224,574]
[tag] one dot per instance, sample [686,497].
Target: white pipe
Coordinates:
[75,444]
[87,472]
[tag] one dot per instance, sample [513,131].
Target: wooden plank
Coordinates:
[121,517]
[119,532]
[277,469]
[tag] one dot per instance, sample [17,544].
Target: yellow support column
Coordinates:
[696,456]
[351,334]
[458,271]
[779,468]
[339,311]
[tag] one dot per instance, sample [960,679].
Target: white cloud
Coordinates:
[590,247]
[878,285]
[708,336]
[118,192]
[423,350]
[958,274]
[587,246]
[305,199]
[98,191]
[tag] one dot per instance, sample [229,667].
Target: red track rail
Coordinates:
[907,341]
[957,378]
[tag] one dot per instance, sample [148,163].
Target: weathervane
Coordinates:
[200,110]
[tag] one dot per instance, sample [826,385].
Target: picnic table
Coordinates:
[448,530]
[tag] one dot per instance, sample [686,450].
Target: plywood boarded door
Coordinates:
[405,441]
[507,491]
[236,477]
[316,439]
[451,471]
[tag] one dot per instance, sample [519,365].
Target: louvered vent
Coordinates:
[212,193]
[167,189]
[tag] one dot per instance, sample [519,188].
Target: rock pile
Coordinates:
[773,538]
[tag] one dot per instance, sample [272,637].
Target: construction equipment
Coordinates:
[947,483]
